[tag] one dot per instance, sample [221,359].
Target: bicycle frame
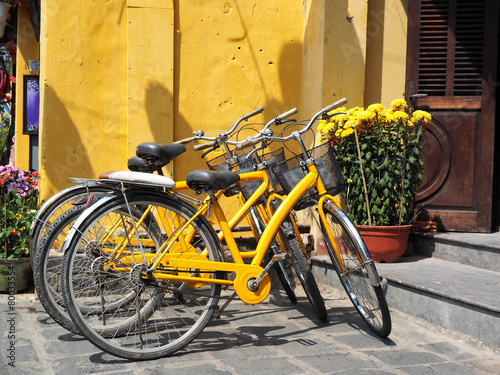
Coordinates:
[252,283]
[245,273]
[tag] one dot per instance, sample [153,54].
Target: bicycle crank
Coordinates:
[250,291]
[252,286]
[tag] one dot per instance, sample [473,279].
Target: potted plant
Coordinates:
[379,152]
[18,203]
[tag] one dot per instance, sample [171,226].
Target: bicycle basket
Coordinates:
[290,172]
[245,165]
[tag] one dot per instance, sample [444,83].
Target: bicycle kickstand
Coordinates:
[220,310]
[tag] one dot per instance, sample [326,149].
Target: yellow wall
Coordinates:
[123,72]
[386,51]
[84,89]
[150,72]
[232,57]
[27,49]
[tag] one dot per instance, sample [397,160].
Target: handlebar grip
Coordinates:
[253,113]
[248,142]
[286,114]
[203,146]
[184,141]
[334,105]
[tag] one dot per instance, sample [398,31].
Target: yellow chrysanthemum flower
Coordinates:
[398,104]
[377,107]
[340,118]
[365,115]
[350,124]
[390,118]
[341,109]
[400,115]
[328,128]
[346,132]
[349,181]
[321,126]
[354,110]
[419,116]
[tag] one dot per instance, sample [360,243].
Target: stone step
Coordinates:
[459,297]
[480,250]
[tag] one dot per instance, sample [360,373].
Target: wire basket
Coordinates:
[271,159]
[245,165]
[290,172]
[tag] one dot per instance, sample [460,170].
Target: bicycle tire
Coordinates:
[281,271]
[183,315]
[47,269]
[49,213]
[361,280]
[304,274]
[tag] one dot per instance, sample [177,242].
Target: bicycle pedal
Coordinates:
[279,257]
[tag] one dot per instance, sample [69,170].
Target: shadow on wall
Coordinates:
[158,106]
[274,80]
[71,159]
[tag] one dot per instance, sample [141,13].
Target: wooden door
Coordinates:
[452,55]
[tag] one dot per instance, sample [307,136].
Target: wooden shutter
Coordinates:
[451,47]
[452,57]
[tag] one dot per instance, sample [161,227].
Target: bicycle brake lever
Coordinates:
[209,151]
[261,147]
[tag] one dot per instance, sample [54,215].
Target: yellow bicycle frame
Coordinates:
[169,262]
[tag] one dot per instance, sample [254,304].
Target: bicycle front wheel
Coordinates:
[356,269]
[102,265]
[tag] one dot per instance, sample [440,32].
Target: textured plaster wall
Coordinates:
[84,90]
[232,57]
[386,51]
[27,50]
[121,72]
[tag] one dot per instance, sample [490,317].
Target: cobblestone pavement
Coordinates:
[273,337]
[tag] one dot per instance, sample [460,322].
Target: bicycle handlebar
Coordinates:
[295,134]
[203,146]
[280,118]
[200,135]
[184,141]
[248,142]
[212,141]
[253,113]
[334,105]
[262,136]
[286,114]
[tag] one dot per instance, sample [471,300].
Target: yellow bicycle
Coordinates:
[47,266]
[176,288]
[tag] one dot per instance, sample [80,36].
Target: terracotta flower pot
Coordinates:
[385,243]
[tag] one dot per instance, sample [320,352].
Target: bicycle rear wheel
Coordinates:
[48,263]
[56,206]
[163,316]
[47,268]
[356,269]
